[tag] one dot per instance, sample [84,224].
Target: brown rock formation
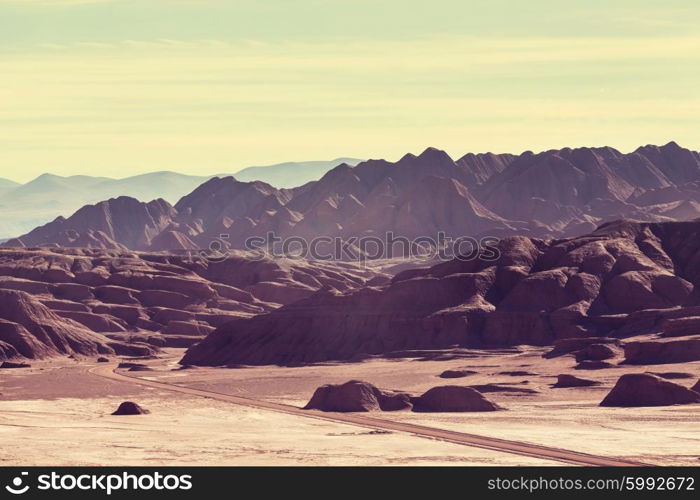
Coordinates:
[588,364]
[595,352]
[29,329]
[130,408]
[10,364]
[456,373]
[662,351]
[90,301]
[565,380]
[453,398]
[645,389]
[537,292]
[357,396]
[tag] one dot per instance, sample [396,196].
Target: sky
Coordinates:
[122,87]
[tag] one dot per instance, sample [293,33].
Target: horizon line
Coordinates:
[231,174]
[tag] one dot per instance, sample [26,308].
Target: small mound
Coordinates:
[141,368]
[673,375]
[565,380]
[10,364]
[645,389]
[130,408]
[485,388]
[568,346]
[456,373]
[596,352]
[357,396]
[593,365]
[129,365]
[453,398]
[103,360]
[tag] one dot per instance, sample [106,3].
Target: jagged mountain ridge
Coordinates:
[25,206]
[554,193]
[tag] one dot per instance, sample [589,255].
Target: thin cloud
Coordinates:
[451,50]
[57,3]
[215,104]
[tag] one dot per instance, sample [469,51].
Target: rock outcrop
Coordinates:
[10,364]
[578,344]
[595,352]
[588,364]
[498,387]
[662,351]
[673,375]
[357,396]
[457,373]
[130,408]
[565,380]
[645,389]
[93,301]
[30,330]
[453,398]
[680,327]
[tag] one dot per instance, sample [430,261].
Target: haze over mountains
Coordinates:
[7,184]
[48,196]
[290,174]
[25,206]
[554,193]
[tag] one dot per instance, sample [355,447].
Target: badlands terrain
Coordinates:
[577,341]
[541,337]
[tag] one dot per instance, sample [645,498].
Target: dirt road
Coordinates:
[490,443]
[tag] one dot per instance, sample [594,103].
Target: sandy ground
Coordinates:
[57,413]
[60,415]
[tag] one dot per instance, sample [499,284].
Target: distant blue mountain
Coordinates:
[26,206]
[291,174]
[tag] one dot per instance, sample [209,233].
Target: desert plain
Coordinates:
[58,412]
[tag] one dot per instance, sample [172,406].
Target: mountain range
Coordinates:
[25,206]
[552,194]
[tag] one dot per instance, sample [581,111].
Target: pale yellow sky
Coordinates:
[215,98]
